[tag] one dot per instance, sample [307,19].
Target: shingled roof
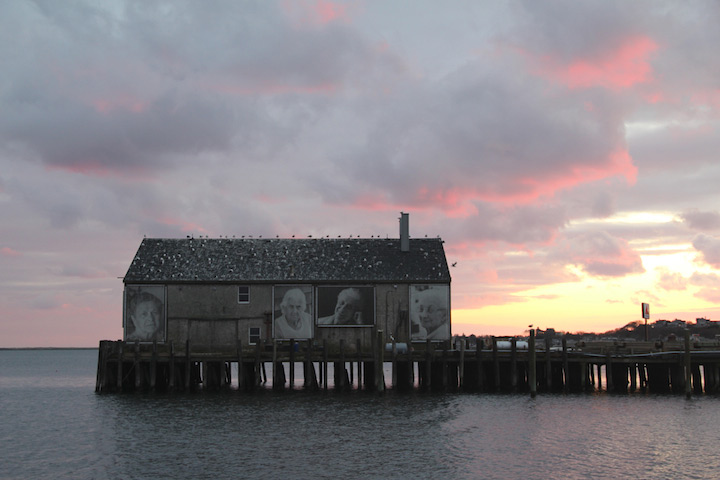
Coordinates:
[323,260]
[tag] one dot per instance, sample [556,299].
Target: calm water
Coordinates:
[55,426]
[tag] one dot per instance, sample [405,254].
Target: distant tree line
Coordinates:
[636,331]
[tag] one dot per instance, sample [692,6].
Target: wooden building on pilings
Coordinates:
[194,305]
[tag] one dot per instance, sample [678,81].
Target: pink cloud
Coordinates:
[461,202]
[619,163]
[121,102]
[621,68]
[272,200]
[97,169]
[458,202]
[599,254]
[9,252]
[454,202]
[318,12]
[709,97]
[269,88]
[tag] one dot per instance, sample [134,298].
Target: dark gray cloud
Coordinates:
[702,220]
[575,30]
[145,86]
[487,134]
[709,247]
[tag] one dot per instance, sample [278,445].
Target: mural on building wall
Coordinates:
[346,306]
[144,313]
[429,312]
[292,311]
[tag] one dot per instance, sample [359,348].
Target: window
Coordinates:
[244,294]
[253,335]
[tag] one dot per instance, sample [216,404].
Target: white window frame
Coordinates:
[251,335]
[243,292]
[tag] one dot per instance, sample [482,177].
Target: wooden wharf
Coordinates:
[681,367]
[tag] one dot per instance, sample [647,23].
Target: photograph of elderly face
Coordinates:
[346,306]
[429,312]
[145,313]
[292,313]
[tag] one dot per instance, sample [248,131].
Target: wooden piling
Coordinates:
[341,375]
[532,364]
[444,365]
[463,341]
[171,367]
[565,366]
[359,364]
[307,380]
[292,363]
[276,368]
[325,364]
[187,365]
[394,365]
[608,373]
[379,377]
[241,372]
[479,364]
[496,364]
[513,365]
[310,378]
[101,378]
[153,366]
[428,364]
[136,366]
[548,363]
[120,346]
[642,375]
[687,365]
[712,376]
[696,379]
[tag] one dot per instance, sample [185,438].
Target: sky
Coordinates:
[565,151]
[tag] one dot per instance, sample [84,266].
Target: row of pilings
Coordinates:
[501,366]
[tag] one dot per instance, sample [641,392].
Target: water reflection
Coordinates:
[56,427]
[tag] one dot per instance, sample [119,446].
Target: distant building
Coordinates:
[704,322]
[678,323]
[217,292]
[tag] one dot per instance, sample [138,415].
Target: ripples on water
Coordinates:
[55,426]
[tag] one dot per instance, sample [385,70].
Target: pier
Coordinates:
[505,365]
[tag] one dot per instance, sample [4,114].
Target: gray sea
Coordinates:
[54,426]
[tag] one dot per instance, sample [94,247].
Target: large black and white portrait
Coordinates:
[292,312]
[144,318]
[346,306]
[429,312]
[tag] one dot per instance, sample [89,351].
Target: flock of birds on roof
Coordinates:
[293,236]
[278,236]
